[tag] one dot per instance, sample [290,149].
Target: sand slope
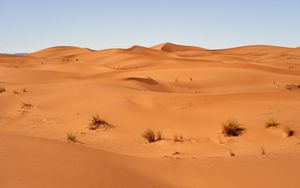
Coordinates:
[178,90]
[34,162]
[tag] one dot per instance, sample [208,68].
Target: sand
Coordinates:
[182,91]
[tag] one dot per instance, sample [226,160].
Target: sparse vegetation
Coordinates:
[263,152]
[288,132]
[26,105]
[159,135]
[24,90]
[232,127]
[231,153]
[271,123]
[2,89]
[292,86]
[177,138]
[71,137]
[151,136]
[16,92]
[97,122]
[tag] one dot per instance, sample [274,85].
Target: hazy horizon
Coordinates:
[29,26]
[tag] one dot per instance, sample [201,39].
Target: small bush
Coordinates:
[71,137]
[97,122]
[26,105]
[288,132]
[16,92]
[2,89]
[231,153]
[24,90]
[177,138]
[271,123]
[151,136]
[158,136]
[232,127]
[292,86]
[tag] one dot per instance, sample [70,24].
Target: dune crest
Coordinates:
[170,47]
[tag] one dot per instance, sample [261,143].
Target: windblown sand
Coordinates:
[181,91]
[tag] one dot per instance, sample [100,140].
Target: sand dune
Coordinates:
[60,51]
[34,162]
[185,92]
[170,47]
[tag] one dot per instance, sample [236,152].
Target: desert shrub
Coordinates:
[2,89]
[71,137]
[288,132]
[292,86]
[151,136]
[271,123]
[97,122]
[232,127]
[263,152]
[231,153]
[158,135]
[24,90]
[177,138]
[16,92]
[26,105]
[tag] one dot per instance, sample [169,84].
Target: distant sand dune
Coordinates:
[183,92]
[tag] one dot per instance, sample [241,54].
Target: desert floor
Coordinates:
[184,92]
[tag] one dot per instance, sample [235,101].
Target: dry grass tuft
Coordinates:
[151,136]
[231,153]
[271,123]
[71,137]
[263,152]
[97,122]
[177,138]
[288,132]
[2,89]
[158,135]
[26,105]
[292,86]
[232,127]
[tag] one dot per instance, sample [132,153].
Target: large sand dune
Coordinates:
[179,90]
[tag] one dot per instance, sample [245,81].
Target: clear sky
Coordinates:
[29,25]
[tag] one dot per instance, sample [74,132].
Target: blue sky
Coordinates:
[29,25]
